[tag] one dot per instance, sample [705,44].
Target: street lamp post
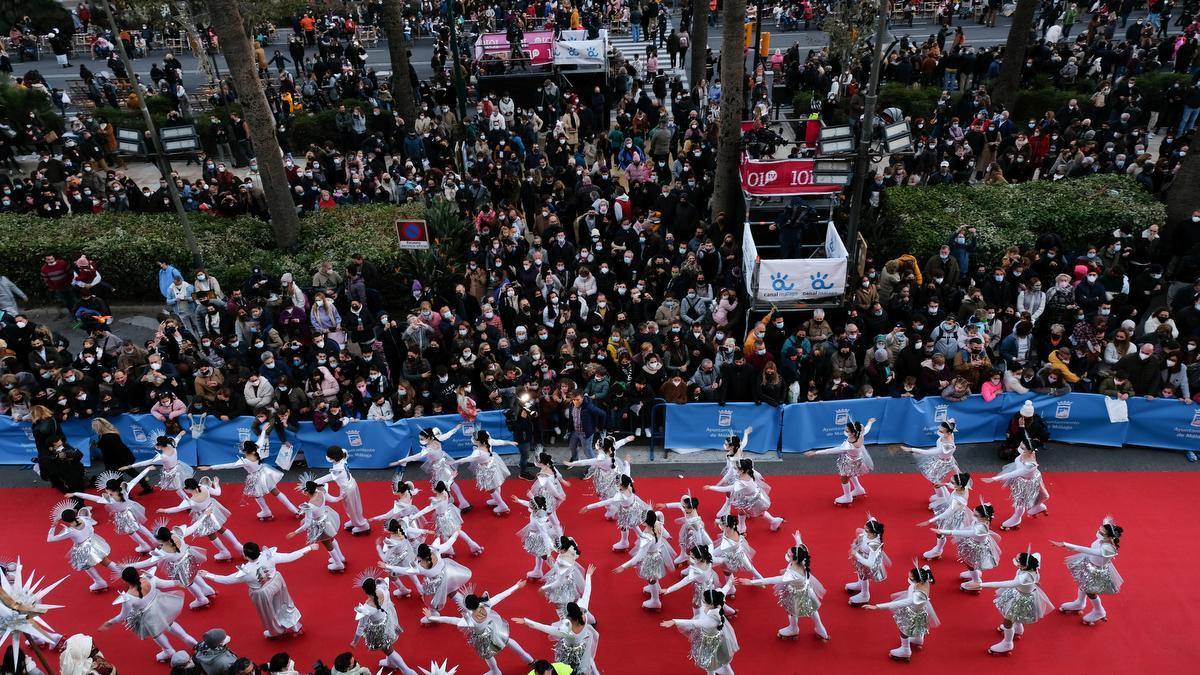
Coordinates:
[188,236]
[862,162]
[460,87]
[758,12]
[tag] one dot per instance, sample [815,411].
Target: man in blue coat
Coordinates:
[584,419]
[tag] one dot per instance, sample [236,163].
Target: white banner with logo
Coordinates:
[797,279]
[579,52]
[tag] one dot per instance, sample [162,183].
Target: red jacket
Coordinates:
[57,276]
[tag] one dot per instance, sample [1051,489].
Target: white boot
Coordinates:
[654,602]
[973,585]
[1005,645]
[935,552]
[791,630]
[1018,629]
[1014,521]
[287,503]
[622,543]
[1037,510]
[864,596]
[903,652]
[845,498]
[536,572]
[394,660]
[966,575]
[222,552]
[775,521]
[857,490]
[264,511]
[854,586]
[98,582]
[1097,614]
[167,650]
[818,627]
[1075,605]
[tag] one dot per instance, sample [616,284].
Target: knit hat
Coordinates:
[1027,409]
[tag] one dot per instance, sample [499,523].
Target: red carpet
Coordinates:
[1151,628]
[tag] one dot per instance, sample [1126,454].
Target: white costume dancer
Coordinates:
[402,507]
[575,640]
[749,495]
[1023,479]
[172,472]
[549,484]
[713,642]
[347,491]
[937,462]
[1020,601]
[605,469]
[734,454]
[797,590]
[438,465]
[128,516]
[1093,570]
[691,526]
[268,591]
[564,582]
[539,536]
[950,512]
[978,547]
[441,577]
[631,511]
[208,514]
[399,549]
[261,480]
[88,549]
[490,469]
[912,611]
[733,553]
[653,557]
[180,563]
[702,576]
[378,627]
[320,524]
[853,461]
[870,562]
[150,612]
[447,519]
[485,630]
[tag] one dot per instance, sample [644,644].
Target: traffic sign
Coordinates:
[412,234]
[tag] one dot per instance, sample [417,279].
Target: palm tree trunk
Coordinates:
[1009,79]
[699,42]
[402,91]
[729,122]
[239,58]
[1183,197]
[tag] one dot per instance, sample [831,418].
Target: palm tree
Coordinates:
[729,122]
[402,91]
[699,41]
[1009,79]
[226,17]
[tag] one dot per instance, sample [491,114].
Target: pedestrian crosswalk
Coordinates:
[629,49]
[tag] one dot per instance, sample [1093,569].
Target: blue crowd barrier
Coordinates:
[369,444]
[1073,418]
[707,425]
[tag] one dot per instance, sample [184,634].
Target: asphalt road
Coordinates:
[422,50]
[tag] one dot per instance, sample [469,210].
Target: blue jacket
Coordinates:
[591,417]
[166,277]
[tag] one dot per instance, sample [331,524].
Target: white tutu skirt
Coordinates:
[935,467]
[321,524]
[752,505]
[172,478]
[379,633]
[850,467]
[153,615]
[261,482]
[1094,579]
[88,553]
[129,519]
[1020,607]
[275,607]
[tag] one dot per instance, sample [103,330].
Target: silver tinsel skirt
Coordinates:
[1092,579]
[488,478]
[850,466]
[399,555]
[736,563]
[751,505]
[561,594]
[709,650]
[442,469]
[976,554]
[912,621]
[483,639]
[153,618]
[535,543]
[570,652]
[430,586]
[1026,492]
[261,482]
[796,601]
[699,587]
[274,605]
[172,479]
[873,573]
[631,514]
[935,467]
[125,522]
[604,482]
[88,553]
[209,523]
[321,525]
[183,570]
[379,634]
[1019,607]
[652,567]
[447,523]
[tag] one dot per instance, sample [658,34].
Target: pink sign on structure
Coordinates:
[539,44]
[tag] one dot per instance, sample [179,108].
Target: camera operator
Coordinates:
[522,421]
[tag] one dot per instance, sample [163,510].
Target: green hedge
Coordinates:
[1081,211]
[126,245]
